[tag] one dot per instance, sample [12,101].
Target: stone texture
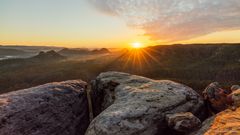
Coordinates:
[235,98]
[204,127]
[134,105]
[226,122]
[183,122]
[50,109]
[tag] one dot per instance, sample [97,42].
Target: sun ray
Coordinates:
[138,59]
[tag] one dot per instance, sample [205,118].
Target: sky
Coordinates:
[118,23]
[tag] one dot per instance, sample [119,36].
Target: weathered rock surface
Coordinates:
[235,98]
[224,123]
[134,105]
[183,122]
[204,127]
[50,109]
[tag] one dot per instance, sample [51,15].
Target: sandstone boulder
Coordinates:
[224,123]
[183,122]
[50,109]
[132,105]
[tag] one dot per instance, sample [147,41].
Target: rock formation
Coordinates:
[123,104]
[225,123]
[234,97]
[49,55]
[183,122]
[127,104]
[50,109]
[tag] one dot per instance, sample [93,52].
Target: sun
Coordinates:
[136,45]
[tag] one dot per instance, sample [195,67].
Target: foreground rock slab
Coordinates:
[132,105]
[225,123]
[50,109]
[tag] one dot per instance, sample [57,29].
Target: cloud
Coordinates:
[173,20]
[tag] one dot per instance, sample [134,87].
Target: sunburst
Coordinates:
[136,45]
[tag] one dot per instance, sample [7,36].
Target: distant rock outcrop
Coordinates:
[75,52]
[50,109]
[100,51]
[49,55]
[132,105]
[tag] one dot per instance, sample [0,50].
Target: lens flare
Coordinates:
[138,59]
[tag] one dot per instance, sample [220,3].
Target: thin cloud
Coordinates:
[173,20]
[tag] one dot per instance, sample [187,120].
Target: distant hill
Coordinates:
[194,65]
[100,51]
[31,49]
[74,52]
[11,52]
[49,55]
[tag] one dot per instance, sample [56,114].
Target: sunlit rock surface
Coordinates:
[50,109]
[224,123]
[133,105]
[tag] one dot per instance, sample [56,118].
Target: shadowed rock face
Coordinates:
[204,127]
[50,109]
[132,105]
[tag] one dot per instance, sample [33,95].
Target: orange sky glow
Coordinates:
[79,24]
